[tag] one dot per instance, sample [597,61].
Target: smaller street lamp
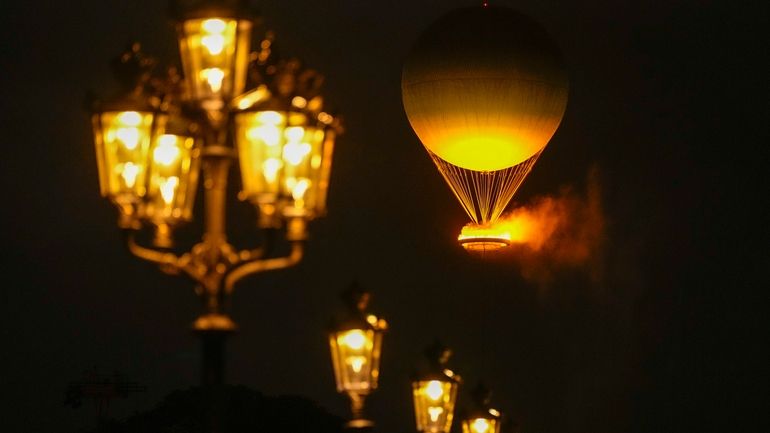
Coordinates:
[435,393]
[355,341]
[483,418]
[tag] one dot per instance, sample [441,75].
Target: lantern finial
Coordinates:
[132,69]
[481,395]
[356,298]
[438,354]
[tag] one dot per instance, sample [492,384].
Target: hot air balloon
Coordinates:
[484,89]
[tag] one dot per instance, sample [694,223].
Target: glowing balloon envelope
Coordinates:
[484,89]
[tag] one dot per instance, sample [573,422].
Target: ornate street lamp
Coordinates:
[483,418]
[161,132]
[435,392]
[355,341]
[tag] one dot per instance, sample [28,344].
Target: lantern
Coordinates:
[123,127]
[484,89]
[355,342]
[483,418]
[214,38]
[435,393]
[285,145]
[172,178]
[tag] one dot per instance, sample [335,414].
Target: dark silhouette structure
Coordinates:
[245,410]
[102,389]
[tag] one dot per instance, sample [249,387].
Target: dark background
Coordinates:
[668,100]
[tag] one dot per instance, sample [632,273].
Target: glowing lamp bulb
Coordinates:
[480,425]
[215,44]
[214,25]
[168,189]
[167,150]
[434,413]
[300,188]
[128,136]
[129,118]
[354,339]
[434,390]
[129,171]
[294,152]
[270,169]
[356,363]
[214,77]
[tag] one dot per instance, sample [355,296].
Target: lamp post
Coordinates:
[161,132]
[435,392]
[355,341]
[483,418]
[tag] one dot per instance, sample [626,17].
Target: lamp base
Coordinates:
[359,424]
[214,323]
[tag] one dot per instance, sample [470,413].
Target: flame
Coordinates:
[475,231]
[550,234]
[532,226]
[483,238]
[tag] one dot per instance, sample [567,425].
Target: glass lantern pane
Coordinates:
[284,161]
[214,55]
[356,367]
[259,138]
[172,180]
[301,158]
[322,166]
[434,402]
[122,141]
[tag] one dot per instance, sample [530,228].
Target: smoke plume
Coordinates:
[557,233]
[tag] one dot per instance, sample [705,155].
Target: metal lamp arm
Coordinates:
[245,256]
[168,262]
[258,265]
[148,254]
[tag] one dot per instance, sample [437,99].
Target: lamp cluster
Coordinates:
[149,138]
[163,131]
[355,342]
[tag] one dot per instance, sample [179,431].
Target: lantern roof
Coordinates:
[284,84]
[481,398]
[132,71]
[356,314]
[437,355]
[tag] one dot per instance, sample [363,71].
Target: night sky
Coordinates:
[668,104]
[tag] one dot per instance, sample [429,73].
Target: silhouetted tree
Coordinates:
[246,411]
